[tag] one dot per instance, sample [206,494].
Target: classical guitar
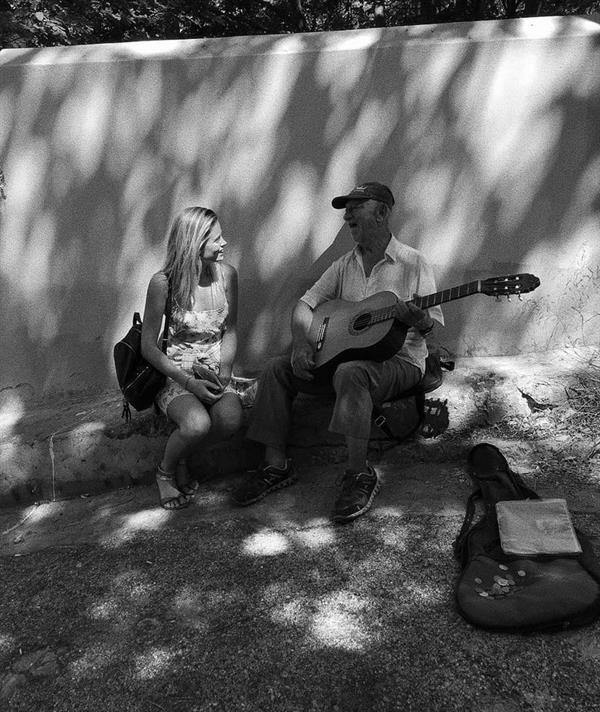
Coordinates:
[343,331]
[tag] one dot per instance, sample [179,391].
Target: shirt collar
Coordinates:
[392,252]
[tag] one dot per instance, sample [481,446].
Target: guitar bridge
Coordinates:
[321,334]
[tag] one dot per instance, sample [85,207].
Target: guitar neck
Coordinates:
[431,300]
[447,295]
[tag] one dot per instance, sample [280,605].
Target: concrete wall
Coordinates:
[488,133]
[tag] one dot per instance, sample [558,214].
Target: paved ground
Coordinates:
[110,603]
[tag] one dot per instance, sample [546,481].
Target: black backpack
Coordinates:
[138,380]
[518,594]
[397,423]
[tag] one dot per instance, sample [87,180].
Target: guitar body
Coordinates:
[366,330]
[345,331]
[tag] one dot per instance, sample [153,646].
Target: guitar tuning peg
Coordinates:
[497,297]
[520,297]
[508,297]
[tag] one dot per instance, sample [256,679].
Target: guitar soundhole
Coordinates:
[361,322]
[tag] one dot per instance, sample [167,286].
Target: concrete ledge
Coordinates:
[81,445]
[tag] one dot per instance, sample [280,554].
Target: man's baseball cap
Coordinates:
[365,191]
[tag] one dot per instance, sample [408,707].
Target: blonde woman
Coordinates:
[201,348]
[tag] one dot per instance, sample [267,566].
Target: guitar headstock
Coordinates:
[510,284]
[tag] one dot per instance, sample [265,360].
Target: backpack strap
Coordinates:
[165,336]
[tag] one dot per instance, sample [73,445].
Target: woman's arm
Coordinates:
[229,343]
[156,298]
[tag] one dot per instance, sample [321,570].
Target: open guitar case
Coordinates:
[384,414]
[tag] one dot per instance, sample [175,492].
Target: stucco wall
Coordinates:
[488,134]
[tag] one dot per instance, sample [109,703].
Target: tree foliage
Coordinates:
[39,23]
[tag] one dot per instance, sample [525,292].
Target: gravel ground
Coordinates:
[110,603]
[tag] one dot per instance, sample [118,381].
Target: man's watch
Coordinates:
[427,329]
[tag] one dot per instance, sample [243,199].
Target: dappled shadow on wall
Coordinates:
[99,155]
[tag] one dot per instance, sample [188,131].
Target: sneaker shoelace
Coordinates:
[361,481]
[268,478]
[364,482]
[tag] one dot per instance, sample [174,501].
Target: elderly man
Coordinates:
[378,262]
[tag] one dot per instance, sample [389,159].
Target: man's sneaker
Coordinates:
[357,495]
[260,482]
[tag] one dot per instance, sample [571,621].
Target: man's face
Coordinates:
[360,215]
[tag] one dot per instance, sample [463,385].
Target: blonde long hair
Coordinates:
[187,236]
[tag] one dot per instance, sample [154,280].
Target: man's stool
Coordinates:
[431,380]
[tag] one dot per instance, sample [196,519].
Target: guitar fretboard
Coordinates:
[430,300]
[447,295]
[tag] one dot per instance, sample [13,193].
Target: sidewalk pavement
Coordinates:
[111,603]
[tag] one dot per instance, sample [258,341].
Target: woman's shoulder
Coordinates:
[228,271]
[159,283]
[159,277]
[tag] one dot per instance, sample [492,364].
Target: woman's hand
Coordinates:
[205,373]
[207,392]
[224,377]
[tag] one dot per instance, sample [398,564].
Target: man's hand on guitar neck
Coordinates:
[411,315]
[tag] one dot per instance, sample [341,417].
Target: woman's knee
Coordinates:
[229,425]
[195,425]
[227,416]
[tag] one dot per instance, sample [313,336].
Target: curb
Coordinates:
[81,445]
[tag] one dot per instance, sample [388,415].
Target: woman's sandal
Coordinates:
[191,487]
[178,501]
